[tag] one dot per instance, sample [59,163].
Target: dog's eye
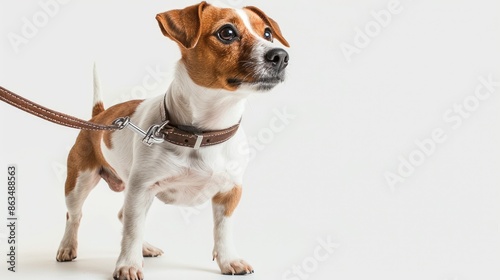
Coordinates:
[268,34]
[227,34]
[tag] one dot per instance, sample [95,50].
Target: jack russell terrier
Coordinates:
[226,55]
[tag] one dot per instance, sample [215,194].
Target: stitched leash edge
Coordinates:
[50,115]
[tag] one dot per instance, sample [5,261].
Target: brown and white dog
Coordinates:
[226,55]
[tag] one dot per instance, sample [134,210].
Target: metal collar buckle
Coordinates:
[150,137]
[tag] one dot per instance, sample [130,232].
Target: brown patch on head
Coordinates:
[182,26]
[259,21]
[214,64]
[86,153]
[211,62]
[229,200]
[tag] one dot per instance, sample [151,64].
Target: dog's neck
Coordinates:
[204,108]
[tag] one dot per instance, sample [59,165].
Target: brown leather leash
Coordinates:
[48,114]
[154,135]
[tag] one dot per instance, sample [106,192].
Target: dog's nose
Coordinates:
[278,58]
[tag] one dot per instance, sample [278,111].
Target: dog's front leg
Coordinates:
[223,205]
[138,199]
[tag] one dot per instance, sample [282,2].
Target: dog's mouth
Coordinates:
[260,84]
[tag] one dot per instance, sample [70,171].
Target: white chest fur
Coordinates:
[191,187]
[198,177]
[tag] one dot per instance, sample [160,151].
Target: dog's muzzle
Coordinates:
[277,58]
[273,69]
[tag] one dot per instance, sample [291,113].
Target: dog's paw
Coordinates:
[149,250]
[128,273]
[236,267]
[233,266]
[66,254]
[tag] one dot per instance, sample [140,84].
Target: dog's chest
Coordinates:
[193,185]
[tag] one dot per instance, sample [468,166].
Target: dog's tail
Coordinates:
[98,105]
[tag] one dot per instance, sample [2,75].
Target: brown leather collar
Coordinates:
[196,140]
[192,137]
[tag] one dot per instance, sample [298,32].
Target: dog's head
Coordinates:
[225,48]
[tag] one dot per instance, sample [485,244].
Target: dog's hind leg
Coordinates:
[148,250]
[79,183]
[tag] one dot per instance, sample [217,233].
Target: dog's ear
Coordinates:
[182,26]
[272,24]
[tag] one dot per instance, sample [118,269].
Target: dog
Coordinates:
[227,54]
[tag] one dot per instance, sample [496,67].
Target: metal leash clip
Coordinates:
[150,137]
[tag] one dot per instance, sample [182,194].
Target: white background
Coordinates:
[322,175]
